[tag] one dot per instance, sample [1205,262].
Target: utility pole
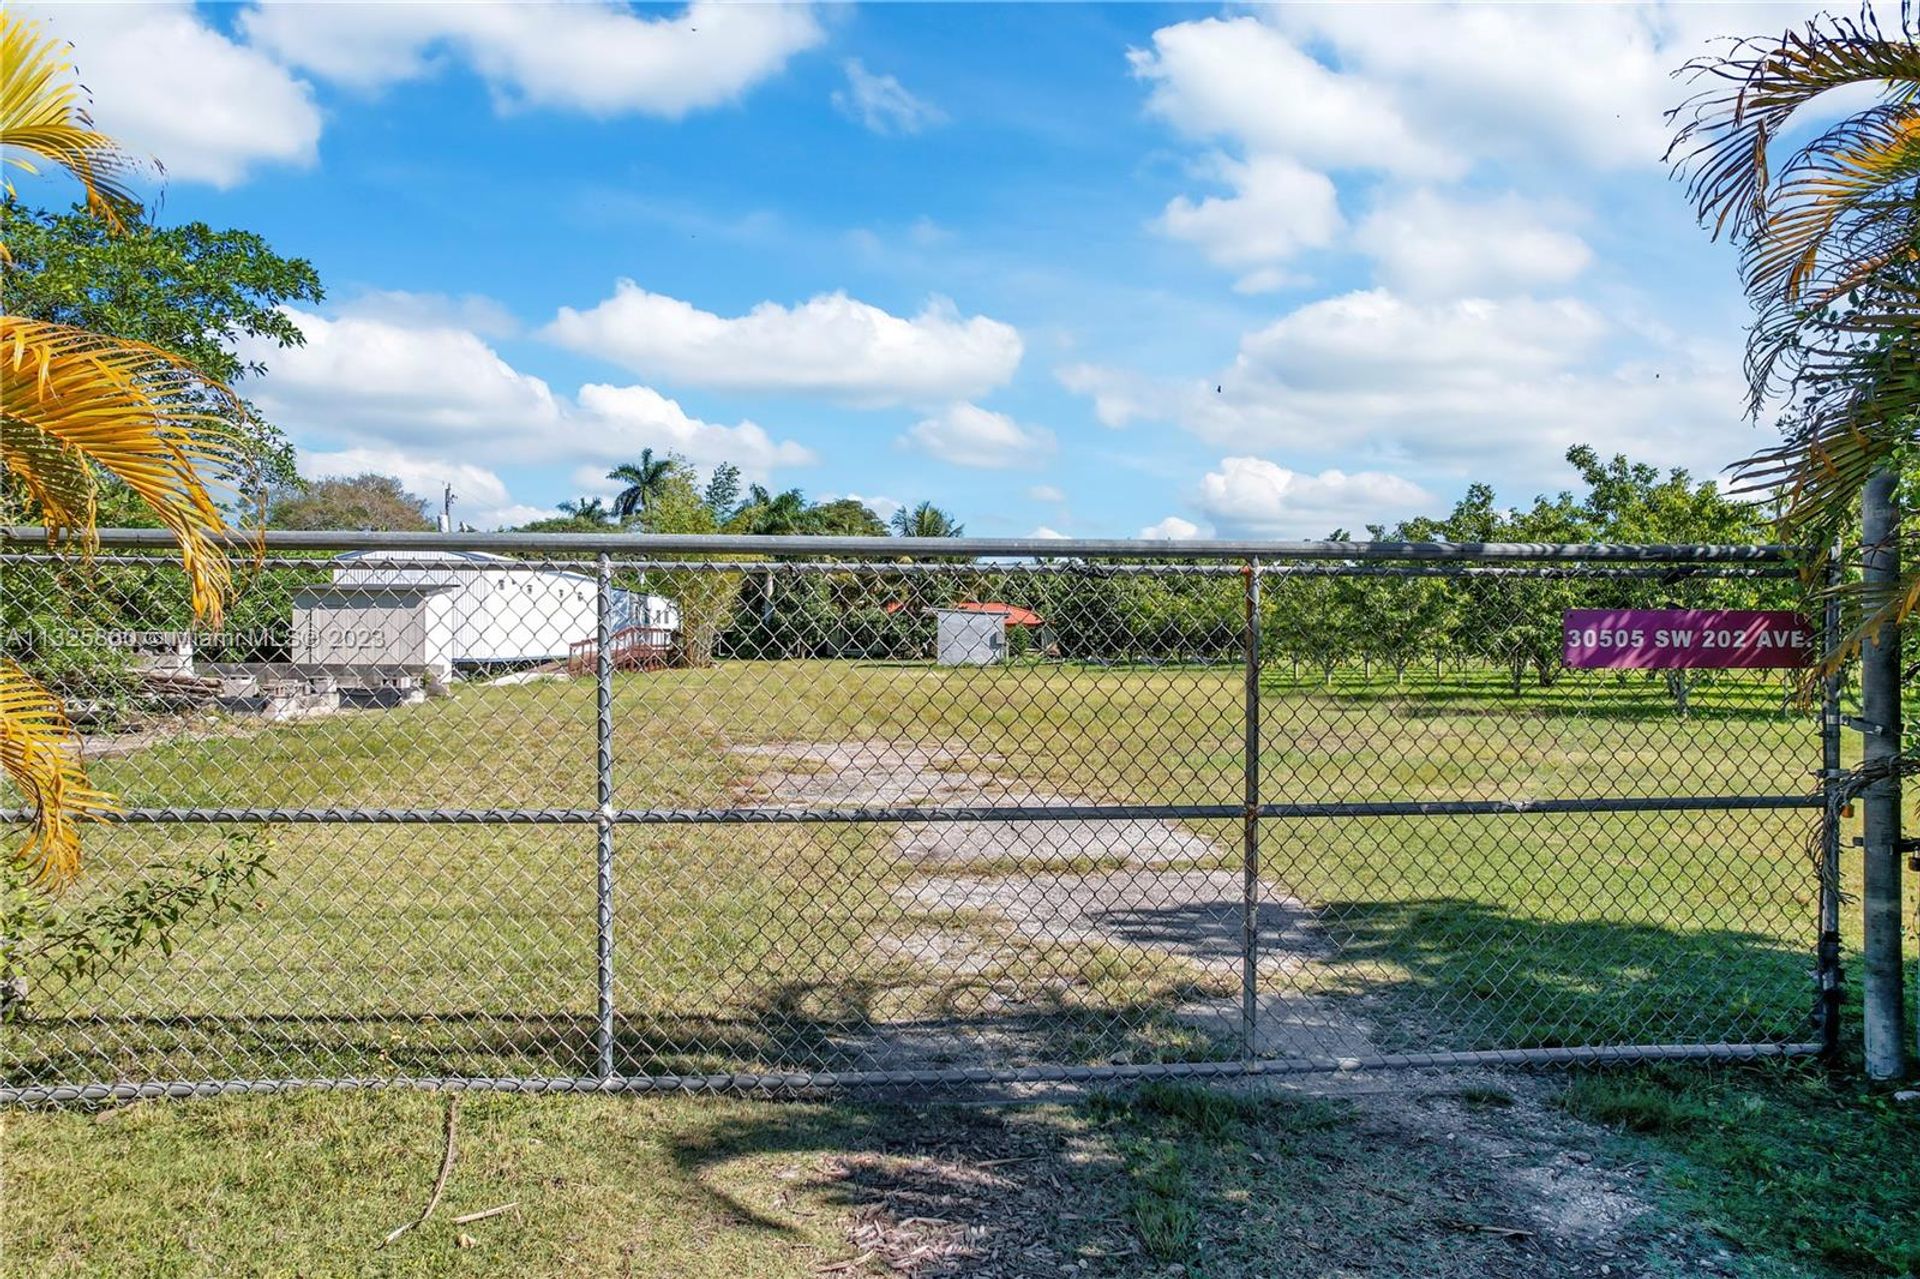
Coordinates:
[1884,1037]
[446,508]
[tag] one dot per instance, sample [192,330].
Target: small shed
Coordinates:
[363,624]
[975,633]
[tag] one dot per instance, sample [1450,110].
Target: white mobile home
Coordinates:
[455,608]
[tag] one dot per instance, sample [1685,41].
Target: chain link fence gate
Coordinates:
[576,813]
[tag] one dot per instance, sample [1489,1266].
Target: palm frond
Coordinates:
[37,753]
[1721,148]
[71,400]
[43,112]
[1843,210]
[1830,259]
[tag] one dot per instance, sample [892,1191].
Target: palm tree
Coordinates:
[592,510]
[925,520]
[78,408]
[644,480]
[1829,238]
[773,514]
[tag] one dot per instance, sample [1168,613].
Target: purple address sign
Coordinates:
[1664,639]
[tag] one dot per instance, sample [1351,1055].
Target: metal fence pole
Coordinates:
[1883,1023]
[1250,824]
[603,861]
[1827,975]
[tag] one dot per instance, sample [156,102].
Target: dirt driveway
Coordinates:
[1510,1186]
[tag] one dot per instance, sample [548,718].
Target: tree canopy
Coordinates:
[370,501]
[642,480]
[189,290]
[925,520]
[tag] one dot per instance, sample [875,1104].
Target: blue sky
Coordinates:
[1090,270]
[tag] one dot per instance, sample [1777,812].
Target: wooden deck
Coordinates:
[634,648]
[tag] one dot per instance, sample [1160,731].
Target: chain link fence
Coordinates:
[762,813]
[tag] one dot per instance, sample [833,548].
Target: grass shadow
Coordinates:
[1456,973]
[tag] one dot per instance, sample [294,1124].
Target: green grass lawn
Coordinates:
[470,950]
[404,950]
[1782,1160]
[1787,1174]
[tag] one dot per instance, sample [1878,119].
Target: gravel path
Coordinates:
[1145,894]
[1139,885]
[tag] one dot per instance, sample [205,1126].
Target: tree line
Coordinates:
[194,290]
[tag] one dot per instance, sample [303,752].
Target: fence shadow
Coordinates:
[1452,973]
[1418,975]
[817,1025]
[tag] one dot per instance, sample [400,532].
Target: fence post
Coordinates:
[1250,826]
[603,824]
[1827,975]
[1884,1013]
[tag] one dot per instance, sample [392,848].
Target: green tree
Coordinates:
[1312,617]
[770,514]
[706,597]
[797,616]
[643,481]
[577,515]
[925,520]
[1513,618]
[587,510]
[368,501]
[1513,621]
[1635,502]
[80,409]
[1401,619]
[843,517]
[722,494]
[189,290]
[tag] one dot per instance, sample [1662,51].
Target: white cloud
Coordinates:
[1120,396]
[1240,79]
[616,422]
[480,496]
[1278,207]
[1348,352]
[1495,388]
[473,311]
[601,59]
[378,378]
[1590,80]
[1171,529]
[1378,338]
[1428,245]
[1254,496]
[1046,493]
[882,103]
[967,435]
[422,389]
[1429,90]
[1046,534]
[1428,93]
[831,346]
[168,85]
[592,480]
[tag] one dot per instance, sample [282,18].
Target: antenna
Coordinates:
[446,508]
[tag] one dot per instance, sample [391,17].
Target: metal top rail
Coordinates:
[646,544]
